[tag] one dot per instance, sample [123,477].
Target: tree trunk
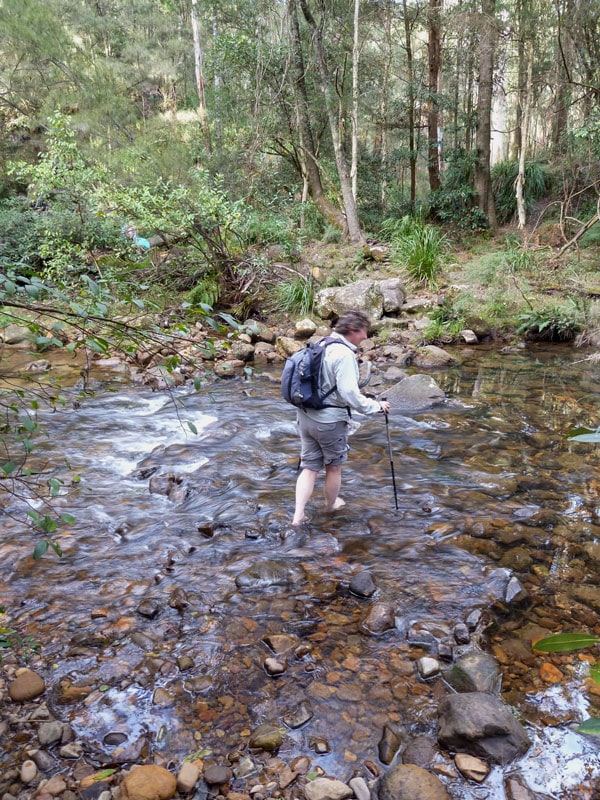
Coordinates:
[198,67]
[487,42]
[434,57]
[385,81]
[411,103]
[524,137]
[521,83]
[353,229]
[311,173]
[355,95]
[561,80]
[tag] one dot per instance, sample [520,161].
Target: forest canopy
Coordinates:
[332,115]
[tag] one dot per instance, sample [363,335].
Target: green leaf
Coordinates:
[591,725]
[587,437]
[562,642]
[9,467]
[595,673]
[68,518]
[28,424]
[40,548]
[105,773]
[48,525]
[193,428]
[54,485]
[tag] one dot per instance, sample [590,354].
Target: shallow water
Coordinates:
[470,475]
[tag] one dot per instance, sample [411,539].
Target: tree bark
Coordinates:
[487,46]
[524,135]
[385,81]
[353,229]
[310,168]
[434,56]
[411,103]
[355,97]
[198,67]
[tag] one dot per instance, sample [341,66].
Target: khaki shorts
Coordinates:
[323,443]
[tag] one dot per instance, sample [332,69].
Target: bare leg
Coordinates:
[331,490]
[304,489]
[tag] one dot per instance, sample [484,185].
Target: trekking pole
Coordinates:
[389,443]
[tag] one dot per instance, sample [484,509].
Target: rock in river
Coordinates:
[409,782]
[149,782]
[264,574]
[26,686]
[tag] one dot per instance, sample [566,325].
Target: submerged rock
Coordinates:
[363,585]
[269,573]
[381,618]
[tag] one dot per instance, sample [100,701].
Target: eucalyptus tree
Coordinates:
[352,223]
[488,33]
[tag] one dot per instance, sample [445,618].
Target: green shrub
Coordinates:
[417,248]
[504,176]
[332,235]
[458,207]
[552,323]
[205,293]
[272,228]
[519,258]
[446,322]
[296,295]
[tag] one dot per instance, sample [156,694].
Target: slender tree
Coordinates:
[434,50]
[352,227]
[487,46]
[308,159]
[199,72]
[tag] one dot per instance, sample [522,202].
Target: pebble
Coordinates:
[474,769]
[327,789]
[360,788]
[50,732]
[26,686]
[428,667]
[187,777]
[28,772]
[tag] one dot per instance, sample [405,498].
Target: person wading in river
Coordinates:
[324,432]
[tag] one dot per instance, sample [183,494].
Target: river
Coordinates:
[145,596]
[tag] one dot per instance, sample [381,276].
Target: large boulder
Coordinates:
[362,296]
[393,293]
[415,393]
[409,782]
[481,725]
[429,356]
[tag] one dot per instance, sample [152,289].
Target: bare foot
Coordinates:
[338,503]
[296,522]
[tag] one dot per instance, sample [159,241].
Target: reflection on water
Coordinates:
[471,477]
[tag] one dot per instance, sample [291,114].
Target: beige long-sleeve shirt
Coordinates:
[340,369]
